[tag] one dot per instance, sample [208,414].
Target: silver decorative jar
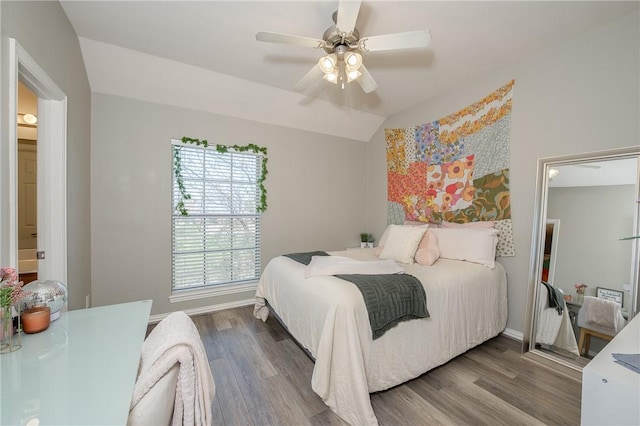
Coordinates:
[49,293]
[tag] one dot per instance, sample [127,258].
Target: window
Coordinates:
[217,242]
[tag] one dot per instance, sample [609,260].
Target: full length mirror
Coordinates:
[584,255]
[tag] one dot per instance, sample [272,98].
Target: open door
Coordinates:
[51,165]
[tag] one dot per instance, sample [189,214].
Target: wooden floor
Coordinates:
[263,378]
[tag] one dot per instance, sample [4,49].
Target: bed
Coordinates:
[467,305]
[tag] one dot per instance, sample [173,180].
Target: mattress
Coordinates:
[467,303]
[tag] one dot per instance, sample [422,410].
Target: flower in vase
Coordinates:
[580,288]
[10,288]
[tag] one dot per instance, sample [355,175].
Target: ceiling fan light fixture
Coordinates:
[331,77]
[353,75]
[30,119]
[344,47]
[328,63]
[353,61]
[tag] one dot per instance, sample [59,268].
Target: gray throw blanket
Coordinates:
[389,298]
[305,258]
[556,299]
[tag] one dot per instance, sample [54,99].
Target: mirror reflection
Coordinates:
[27,212]
[586,268]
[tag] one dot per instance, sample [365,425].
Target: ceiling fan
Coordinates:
[344,47]
[553,172]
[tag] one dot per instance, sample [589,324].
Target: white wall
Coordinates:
[315,194]
[579,96]
[592,220]
[43,30]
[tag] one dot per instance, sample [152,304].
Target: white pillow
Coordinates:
[478,224]
[477,245]
[385,234]
[402,242]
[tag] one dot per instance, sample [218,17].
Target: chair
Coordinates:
[156,406]
[174,384]
[600,318]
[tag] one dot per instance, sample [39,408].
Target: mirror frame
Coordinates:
[538,235]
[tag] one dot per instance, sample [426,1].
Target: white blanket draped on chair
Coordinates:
[176,341]
[603,313]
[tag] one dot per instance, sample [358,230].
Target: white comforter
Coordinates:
[467,303]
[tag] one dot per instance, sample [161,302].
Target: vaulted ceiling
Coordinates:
[203,54]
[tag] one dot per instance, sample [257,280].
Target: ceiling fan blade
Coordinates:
[347,15]
[290,39]
[365,81]
[313,74]
[409,40]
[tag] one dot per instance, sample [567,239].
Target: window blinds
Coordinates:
[218,242]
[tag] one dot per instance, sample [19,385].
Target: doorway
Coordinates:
[51,154]
[27,184]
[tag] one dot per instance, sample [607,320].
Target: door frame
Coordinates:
[52,163]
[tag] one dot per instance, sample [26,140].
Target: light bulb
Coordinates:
[332,77]
[352,75]
[353,61]
[328,63]
[30,119]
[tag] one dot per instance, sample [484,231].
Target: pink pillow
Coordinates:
[428,251]
[478,224]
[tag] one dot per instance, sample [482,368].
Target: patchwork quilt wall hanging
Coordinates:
[455,169]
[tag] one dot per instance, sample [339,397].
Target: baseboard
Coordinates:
[153,319]
[512,334]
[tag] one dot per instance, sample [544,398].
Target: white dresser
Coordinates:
[611,392]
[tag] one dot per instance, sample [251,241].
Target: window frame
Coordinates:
[222,288]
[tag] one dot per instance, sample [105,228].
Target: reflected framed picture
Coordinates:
[608,294]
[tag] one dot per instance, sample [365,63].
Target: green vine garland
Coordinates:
[177,170]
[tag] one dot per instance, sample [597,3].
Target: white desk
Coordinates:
[610,392]
[80,371]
